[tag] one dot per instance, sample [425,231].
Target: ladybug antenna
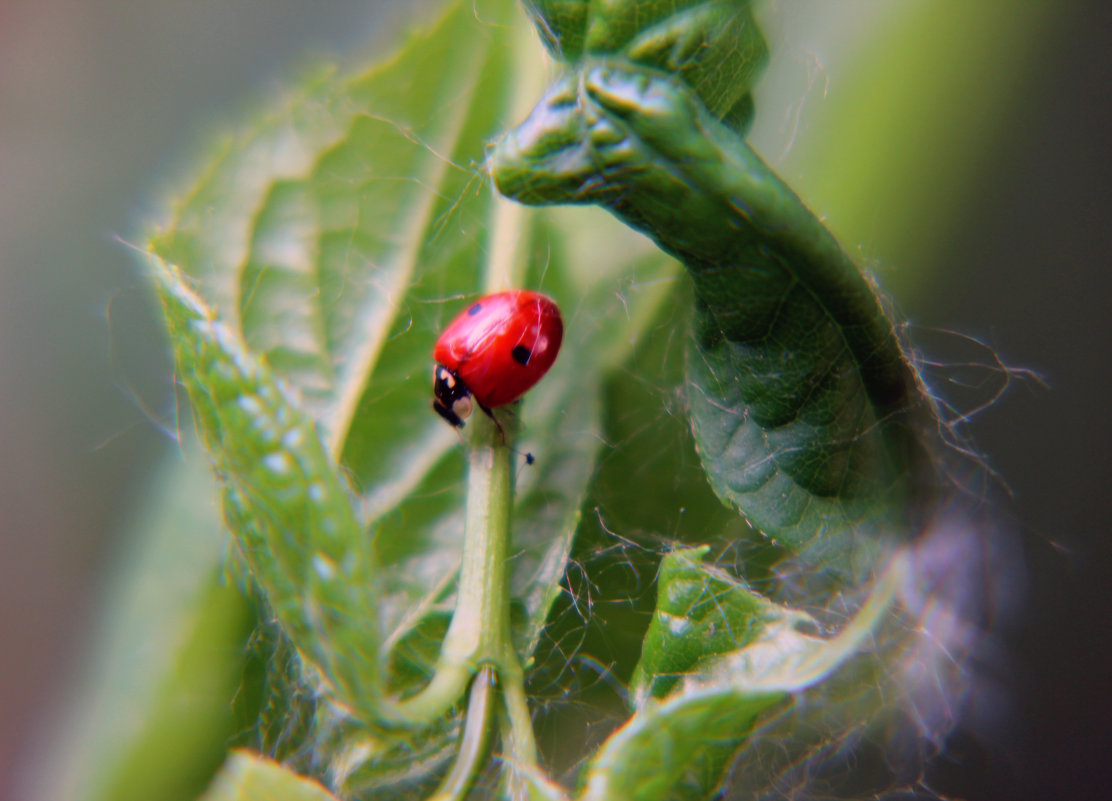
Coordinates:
[526,455]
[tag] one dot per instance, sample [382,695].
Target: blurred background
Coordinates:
[102,104]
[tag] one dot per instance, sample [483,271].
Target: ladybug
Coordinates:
[494,352]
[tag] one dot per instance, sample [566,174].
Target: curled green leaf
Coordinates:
[807,414]
[714,46]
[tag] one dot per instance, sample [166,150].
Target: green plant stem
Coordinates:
[479,633]
[473,744]
[518,740]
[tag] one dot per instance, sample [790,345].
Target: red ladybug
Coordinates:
[497,349]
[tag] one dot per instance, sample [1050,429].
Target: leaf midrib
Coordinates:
[371,329]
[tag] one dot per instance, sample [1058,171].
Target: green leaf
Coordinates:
[683,746]
[153,714]
[807,414]
[296,528]
[700,613]
[680,750]
[537,787]
[248,777]
[305,277]
[714,46]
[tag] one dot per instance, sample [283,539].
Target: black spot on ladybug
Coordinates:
[521,354]
[478,307]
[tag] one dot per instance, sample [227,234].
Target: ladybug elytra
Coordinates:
[494,352]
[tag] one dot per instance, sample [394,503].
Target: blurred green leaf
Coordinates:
[249,777]
[154,713]
[903,128]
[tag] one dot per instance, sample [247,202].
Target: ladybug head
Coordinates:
[451,398]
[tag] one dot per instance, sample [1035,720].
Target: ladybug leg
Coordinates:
[490,414]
